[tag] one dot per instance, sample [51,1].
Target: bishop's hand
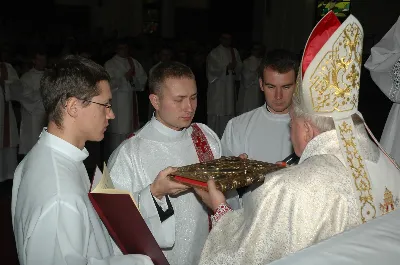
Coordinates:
[213,198]
[163,185]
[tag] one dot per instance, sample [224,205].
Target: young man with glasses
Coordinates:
[53,219]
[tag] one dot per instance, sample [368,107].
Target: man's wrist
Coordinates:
[154,191]
[215,205]
[220,211]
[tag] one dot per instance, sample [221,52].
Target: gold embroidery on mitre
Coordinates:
[390,204]
[358,171]
[336,80]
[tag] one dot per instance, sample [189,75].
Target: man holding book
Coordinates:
[175,215]
[53,219]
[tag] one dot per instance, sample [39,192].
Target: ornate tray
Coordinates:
[228,172]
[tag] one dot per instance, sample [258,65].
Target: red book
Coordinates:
[119,213]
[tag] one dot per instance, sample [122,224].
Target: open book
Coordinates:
[120,215]
[102,183]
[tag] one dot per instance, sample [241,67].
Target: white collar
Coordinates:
[275,116]
[119,58]
[325,143]
[171,133]
[62,146]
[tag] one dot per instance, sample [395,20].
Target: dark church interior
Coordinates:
[187,28]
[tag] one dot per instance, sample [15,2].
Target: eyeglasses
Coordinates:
[107,105]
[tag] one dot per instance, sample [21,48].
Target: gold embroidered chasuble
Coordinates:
[301,205]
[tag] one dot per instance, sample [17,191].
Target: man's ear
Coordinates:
[155,101]
[261,84]
[72,107]
[309,131]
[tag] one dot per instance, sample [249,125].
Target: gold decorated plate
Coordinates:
[228,172]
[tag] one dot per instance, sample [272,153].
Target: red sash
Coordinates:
[6,130]
[132,65]
[203,151]
[135,114]
[233,55]
[200,142]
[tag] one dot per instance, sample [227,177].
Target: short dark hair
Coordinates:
[167,70]
[72,76]
[279,60]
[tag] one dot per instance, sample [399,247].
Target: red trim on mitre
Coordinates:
[319,36]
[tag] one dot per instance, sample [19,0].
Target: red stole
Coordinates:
[200,142]
[132,65]
[135,110]
[6,130]
[203,151]
[233,56]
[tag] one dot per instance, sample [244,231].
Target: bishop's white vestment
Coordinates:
[376,242]
[221,93]
[384,66]
[9,138]
[250,95]
[33,114]
[53,219]
[124,102]
[302,205]
[135,165]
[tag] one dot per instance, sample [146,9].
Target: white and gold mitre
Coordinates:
[329,76]
[328,85]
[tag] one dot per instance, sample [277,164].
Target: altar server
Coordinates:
[9,138]
[224,68]
[127,78]
[33,115]
[53,219]
[384,66]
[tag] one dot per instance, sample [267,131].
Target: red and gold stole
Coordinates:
[200,142]
[203,151]
[233,56]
